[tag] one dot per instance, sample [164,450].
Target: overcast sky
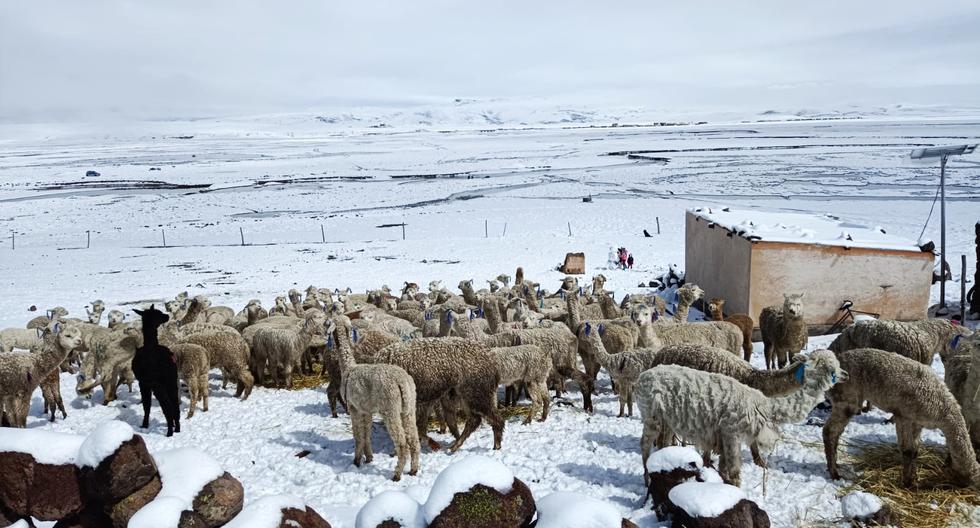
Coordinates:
[184,58]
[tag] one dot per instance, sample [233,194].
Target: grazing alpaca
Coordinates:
[155,368]
[742,321]
[386,389]
[784,331]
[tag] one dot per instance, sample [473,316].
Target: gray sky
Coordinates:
[182,58]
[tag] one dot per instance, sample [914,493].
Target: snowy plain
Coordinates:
[481,192]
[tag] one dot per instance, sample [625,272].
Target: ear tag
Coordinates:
[956,341]
[330,341]
[799,373]
[588,328]
[541,303]
[354,335]
[602,330]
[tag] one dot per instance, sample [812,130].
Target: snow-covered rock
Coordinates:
[102,442]
[184,472]
[45,446]
[674,457]
[38,477]
[565,509]
[865,509]
[463,475]
[277,511]
[394,505]
[714,505]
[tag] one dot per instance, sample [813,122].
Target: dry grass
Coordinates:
[936,503]
[309,381]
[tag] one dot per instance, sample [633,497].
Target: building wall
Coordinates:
[718,263]
[894,284]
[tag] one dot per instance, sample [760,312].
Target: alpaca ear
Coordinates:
[602,330]
[40,332]
[139,312]
[57,328]
[802,295]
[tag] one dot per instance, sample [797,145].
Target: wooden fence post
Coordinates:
[241,232]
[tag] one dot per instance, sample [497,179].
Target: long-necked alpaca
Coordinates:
[155,368]
[742,321]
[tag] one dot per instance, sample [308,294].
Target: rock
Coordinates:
[189,519]
[667,468]
[6,518]
[220,500]
[714,505]
[55,492]
[484,507]
[122,473]
[864,509]
[47,492]
[122,511]
[629,524]
[308,518]
[16,473]
[92,174]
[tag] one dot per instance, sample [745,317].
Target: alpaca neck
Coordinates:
[960,447]
[492,313]
[191,315]
[572,307]
[150,337]
[601,354]
[470,296]
[683,308]
[345,354]
[298,307]
[775,382]
[796,406]
[252,315]
[609,308]
[49,357]
[716,315]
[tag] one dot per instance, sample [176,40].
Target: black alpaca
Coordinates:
[155,368]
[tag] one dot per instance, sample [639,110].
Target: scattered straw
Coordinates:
[309,381]
[935,503]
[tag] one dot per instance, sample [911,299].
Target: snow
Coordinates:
[391,505]
[674,457]
[46,447]
[859,505]
[565,509]
[705,499]
[103,442]
[183,472]
[780,226]
[265,512]
[531,177]
[21,523]
[461,476]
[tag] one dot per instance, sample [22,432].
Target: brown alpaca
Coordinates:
[742,321]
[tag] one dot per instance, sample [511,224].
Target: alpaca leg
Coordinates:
[756,456]
[509,396]
[448,407]
[647,439]
[146,396]
[333,393]
[204,388]
[289,374]
[540,391]
[767,353]
[622,402]
[422,413]
[585,385]
[391,416]
[747,346]
[842,413]
[473,422]
[357,425]
[628,389]
[908,443]
[730,463]
[411,438]
[61,403]
[192,395]
[248,381]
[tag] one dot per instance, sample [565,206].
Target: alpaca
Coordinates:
[917,399]
[619,335]
[624,368]
[686,295]
[22,372]
[917,340]
[469,295]
[963,379]
[95,314]
[744,323]
[720,361]
[366,345]
[192,363]
[108,362]
[156,371]
[530,365]
[227,350]
[784,331]
[281,308]
[448,365]
[23,338]
[716,412]
[285,346]
[385,389]
[51,393]
[116,320]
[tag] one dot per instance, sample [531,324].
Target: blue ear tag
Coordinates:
[329,341]
[541,303]
[956,341]
[833,378]
[580,290]
[449,317]
[526,290]
[799,373]
[588,328]
[602,330]
[354,334]
[472,315]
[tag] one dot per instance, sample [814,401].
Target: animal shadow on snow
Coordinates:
[626,444]
[593,474]
[320,409]
[339,454]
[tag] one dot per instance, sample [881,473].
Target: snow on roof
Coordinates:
[265,512]
[705,499]
[798,228]
[463,475]
[45,446]
[566,509]
[674,457]
[183,472]
[859,505]
[392,505]
[102,442]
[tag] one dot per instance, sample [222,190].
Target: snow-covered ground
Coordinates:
[459,186]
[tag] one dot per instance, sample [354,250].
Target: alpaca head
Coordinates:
[172,307]
[689,293]
[116,317]
[95,314]
[793,304]
[569,283]
[203,301]
[68,337]
[152,318]
[598,282]
[294,296]
[466,285]
[504,279]
[641,314]
[820,370]
[963,340]
[494,286]
[57,312]
[435,285]
[716,306]
[311,292]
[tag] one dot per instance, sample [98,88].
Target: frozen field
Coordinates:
[479,198]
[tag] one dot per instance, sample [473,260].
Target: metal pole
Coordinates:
[164,233]
[323,235]
[13,240]
[505,229]
[942,240]
[88,239]
[658,225]
[486,229]
[962,289]
[241,232]
[569,229]
[403,231]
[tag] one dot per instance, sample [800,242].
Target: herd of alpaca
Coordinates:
[406,356]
